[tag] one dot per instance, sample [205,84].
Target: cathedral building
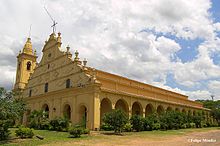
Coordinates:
[63,85]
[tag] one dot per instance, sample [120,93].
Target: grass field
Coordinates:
[51,137]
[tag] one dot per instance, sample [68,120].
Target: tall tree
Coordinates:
[214,106]
[11,108]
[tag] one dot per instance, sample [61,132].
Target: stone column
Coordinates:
[96,108]
[144,112]
[129,112]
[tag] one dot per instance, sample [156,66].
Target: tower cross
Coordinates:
[54,22]
[54,26]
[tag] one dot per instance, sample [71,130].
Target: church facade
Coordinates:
[63,85]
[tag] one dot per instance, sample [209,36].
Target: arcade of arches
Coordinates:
[129,106]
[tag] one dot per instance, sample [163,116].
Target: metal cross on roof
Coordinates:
[54,22]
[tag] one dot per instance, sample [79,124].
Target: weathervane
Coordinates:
[54,22]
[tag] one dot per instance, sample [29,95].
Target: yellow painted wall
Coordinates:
[89,87]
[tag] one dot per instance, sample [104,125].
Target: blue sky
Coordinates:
[190,52]
[178,50]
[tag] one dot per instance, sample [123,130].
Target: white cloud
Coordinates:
[214,87]
[108,34]
[7,76]
[199,94]
[201,68]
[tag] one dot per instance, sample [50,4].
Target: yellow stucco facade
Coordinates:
[65,86]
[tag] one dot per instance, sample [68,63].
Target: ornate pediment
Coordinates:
[56,67]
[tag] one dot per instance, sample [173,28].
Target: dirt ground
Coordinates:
[209,138]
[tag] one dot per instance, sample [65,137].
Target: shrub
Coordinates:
[85,131]
[127,127]
[106,127]
[116,119]
[203,124]
[156,126]
[147,125]
[214,124]
[38,120]
[45,124]
[197,120]
[149,121]
[76,132]
[137,123]
[184,126]
[4,132]
[23,132]
[59,124]
[192,125]
[173,120]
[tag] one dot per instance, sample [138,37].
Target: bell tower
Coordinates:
[26,63]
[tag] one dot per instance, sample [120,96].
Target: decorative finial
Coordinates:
[35,52]
[84,62]
[67,48]
[59,34]
[59,39]
[76,56]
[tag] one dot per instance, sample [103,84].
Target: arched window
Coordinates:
[46,111]
[30,93]
[68,83]
[28,65]
[46,88]
[19,65]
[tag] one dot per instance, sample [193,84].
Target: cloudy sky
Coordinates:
[174,44]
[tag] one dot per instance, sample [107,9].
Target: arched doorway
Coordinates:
[177,109]
[184,111]
[83,115]
[67,111]
[203,115]
[160,109]
[189,113]
[27,120]
[106,106]
[137,109]
[121,104]
[194,113]
[46,110]
[149,110]
[169,109]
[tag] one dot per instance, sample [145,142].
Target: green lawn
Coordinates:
[51,136]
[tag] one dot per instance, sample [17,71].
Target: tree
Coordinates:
[216,115]
[38,120]
[116,119]
[11,109]
[214,106]
[137,123]
[151,122]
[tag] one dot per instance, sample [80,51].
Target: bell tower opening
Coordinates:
[28,65]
